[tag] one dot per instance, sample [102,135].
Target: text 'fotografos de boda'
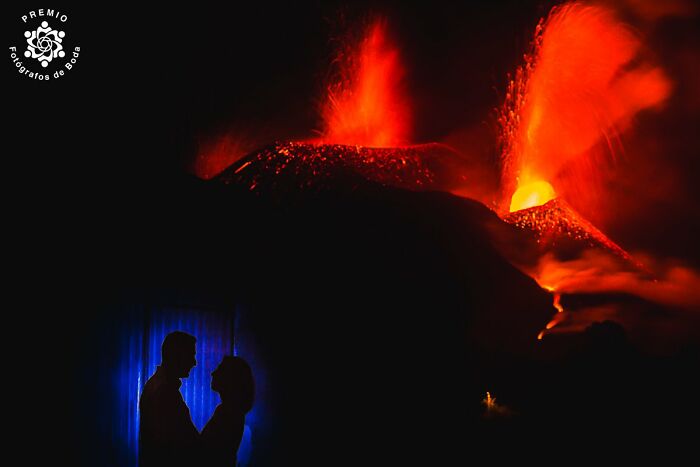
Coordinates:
[48,50]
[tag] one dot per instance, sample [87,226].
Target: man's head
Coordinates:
[178,353]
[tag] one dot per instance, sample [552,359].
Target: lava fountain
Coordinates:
[581,84]
[365,131]
[365,104]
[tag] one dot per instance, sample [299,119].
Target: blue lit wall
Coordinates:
[140,333]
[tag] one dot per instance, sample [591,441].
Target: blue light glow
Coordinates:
[214,333]
[140,336]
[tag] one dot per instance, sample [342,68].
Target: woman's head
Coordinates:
[233,380]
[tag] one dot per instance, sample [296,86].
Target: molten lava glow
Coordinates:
[557,303]
[553,222]
[365,105]
[556,220]
[558,318]
[582,83]
[532,194]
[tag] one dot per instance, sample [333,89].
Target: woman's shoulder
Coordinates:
[224,419]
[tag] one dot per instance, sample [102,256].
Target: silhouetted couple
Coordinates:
[167,436]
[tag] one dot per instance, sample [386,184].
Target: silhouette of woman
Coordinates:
[233,380]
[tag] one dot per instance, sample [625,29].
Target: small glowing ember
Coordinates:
[489,401]
[493,409]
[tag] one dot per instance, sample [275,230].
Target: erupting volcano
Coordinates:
[365,131]
[581,84]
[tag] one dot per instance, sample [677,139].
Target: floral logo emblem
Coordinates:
[44,44]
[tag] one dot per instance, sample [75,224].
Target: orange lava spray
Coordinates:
[581,84]
[365,104]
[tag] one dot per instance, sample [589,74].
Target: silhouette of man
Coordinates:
[167,436]
[221,436]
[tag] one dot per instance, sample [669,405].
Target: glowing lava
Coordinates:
[582,83]
[365,104]
[533,194]
[558,318]
[557,303]
[556,221]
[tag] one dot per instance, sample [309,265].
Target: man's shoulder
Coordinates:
[159,388]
